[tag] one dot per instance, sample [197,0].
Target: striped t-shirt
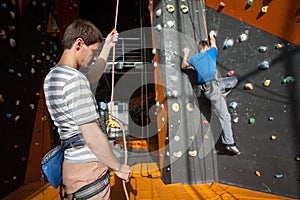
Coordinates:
[70,103]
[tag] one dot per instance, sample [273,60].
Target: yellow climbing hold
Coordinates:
[175,107]
[264,9]
[184,9]
[170,8]
[267,83]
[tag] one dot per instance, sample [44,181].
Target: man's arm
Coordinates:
[184,63]
[97,69]
[97,141]
[213,43]
[212,38]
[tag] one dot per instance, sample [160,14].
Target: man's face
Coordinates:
[90,54]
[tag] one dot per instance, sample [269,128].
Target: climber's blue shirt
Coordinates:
[205,64]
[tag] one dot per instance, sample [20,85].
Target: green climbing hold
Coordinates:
[251,120]
[288,80]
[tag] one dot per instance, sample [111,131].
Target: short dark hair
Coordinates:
[202,44]
[81,29]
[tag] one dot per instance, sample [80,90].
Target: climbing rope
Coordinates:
[111,102]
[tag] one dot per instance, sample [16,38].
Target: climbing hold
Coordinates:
[8,115]
[175,107]
[262,49]
[233,105]
[176,138]
[248,86]
[184,9]
[273,137]
[192,153]
[23,158]
[44,118]
[4,6]
[3,34]
[1,98]
[158,13]
[221,4]
[264,65]
[177,154]
[235,120]
[12,15]
[230,73]
[251,120]
[278,46]
[75,5]
[298,158]
[154,51]
[170,8]
[228,43]
[267,83]
[175,93]
[243,37]
[39,27]
[270,118]
[257,173]
[288,80]
[12,42]
[264,9]
[278,175]
[205,121]
[158,27]
[250,2]
[170,24]
[189,107]
[12,71]
[174,78]
[32,70]
[17,117]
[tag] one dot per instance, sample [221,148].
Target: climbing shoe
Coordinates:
[233,149]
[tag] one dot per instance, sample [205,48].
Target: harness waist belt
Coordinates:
[73,142]
[93,188]
[210,81]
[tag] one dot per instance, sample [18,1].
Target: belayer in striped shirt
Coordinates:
[74,111]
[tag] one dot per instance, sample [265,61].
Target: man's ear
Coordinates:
[79,43]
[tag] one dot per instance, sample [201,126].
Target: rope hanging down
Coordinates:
[111,102]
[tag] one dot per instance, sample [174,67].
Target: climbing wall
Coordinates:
[265,104]
[188,155]
[28,49]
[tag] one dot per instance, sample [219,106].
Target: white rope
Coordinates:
[111,102]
